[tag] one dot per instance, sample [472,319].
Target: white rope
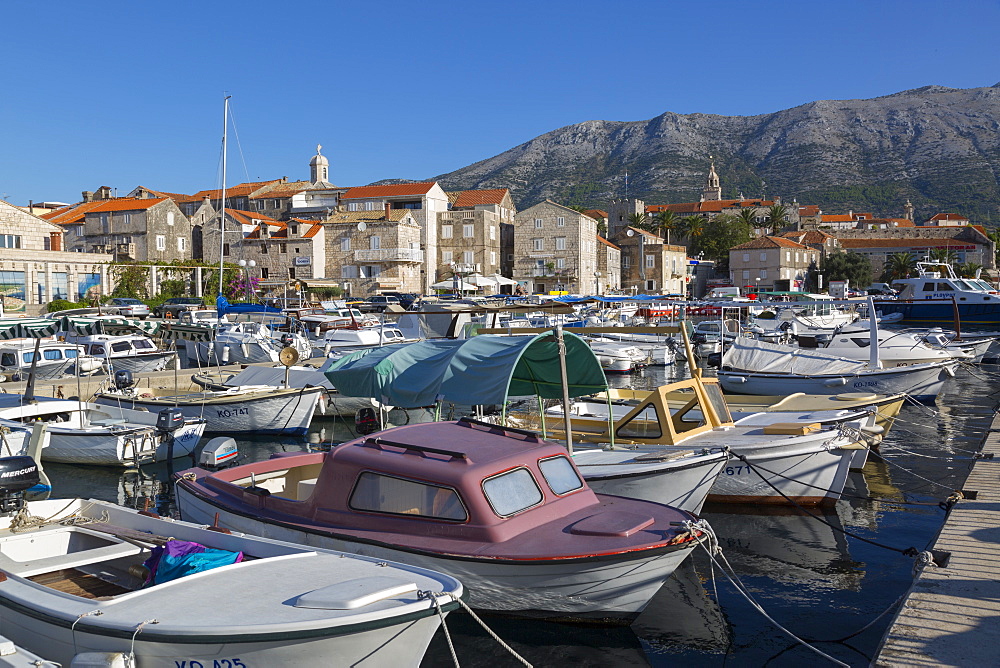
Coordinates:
[72,629]
[434,596]
[24,522]
[704,526]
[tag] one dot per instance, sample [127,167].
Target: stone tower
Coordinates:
[908,210]
[712,192]
[319,167]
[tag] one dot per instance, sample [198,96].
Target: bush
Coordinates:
[62,305]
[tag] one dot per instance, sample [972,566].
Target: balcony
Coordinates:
[389,255]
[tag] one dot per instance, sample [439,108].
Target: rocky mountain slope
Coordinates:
[938,146]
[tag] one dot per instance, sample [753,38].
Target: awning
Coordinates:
[480,370]
[451,285]
[38,328]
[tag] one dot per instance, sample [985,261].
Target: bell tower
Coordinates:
[712,192]
[319,167]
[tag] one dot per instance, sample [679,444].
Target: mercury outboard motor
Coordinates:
[17,475]
[123,379]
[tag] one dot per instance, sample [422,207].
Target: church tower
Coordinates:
[319,167]
[712,192]
[908,210]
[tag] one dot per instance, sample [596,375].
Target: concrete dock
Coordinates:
[952,614]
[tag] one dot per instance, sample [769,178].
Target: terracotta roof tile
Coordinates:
[809,210]
[606,242]
[808,236]
[127,204]
[596,214]
[283,190]
[396,190]
[948,216]
[710,206]
[239,190]
[469,198]
[770,242]
[252,218]
[70,215]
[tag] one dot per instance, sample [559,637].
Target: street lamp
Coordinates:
[597,282]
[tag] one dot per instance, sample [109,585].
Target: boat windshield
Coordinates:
[396,496]
[512,492]
[980,285]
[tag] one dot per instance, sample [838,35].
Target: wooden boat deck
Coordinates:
[78,583]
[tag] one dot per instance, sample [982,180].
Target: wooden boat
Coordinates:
[497,508]
[82,432]
[773,459]
[241,410]
[78,584]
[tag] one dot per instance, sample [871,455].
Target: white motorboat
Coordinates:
[238,410]
[129,352]
[757,367]
[246,342]
[338,341]
[973,347]
[617,357]
[81,432]
[331,403]
[801,459]
[55,359]
[93,577]
[895,348]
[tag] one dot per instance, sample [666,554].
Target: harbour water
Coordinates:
[820,584]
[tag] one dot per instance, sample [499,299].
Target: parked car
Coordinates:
[406,299]
[378,304]
[130,307]
[177,305]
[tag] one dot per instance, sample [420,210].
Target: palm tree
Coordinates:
[693,227]
[748,216]
[637,220]
[899,265]
[666,221]
[968,269]
[777,213]
[944,256]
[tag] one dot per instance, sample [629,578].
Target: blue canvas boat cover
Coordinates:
[481,370]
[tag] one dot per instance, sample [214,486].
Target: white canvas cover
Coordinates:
[761,357]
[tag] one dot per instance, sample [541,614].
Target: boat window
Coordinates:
[511,492]
[52,354]
[928,287]
[29,357]
[862,343]
[981,285]
[560,474]
[71,353]
[644,424]
[143,344]
[718,401]
[121,346]
[945,287]
[8,359]
[396,496]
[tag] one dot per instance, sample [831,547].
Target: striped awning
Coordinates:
[37,328]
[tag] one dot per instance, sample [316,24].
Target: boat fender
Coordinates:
[739,379]
[225,354]
[833,382]
[950,371]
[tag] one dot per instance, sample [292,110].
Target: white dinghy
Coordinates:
[87,579]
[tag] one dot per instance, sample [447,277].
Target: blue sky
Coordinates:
[128,93]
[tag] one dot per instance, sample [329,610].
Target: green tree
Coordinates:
[666,222]
[748,217]
[842,266]
[693,228]
[638,220]
[968,269]
[131,280]
[777,217]
[720,235]
[944,256]
[898,265]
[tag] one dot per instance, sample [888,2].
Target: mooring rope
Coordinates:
[433,596]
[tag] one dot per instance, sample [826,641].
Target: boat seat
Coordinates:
[71,560]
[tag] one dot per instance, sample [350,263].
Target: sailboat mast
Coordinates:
[222,216]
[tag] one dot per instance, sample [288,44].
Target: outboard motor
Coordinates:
[123,380]
[218,452]
[17,475]
[168,421]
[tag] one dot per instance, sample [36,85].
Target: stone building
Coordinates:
[608,277]
[968,243]
[772,263]
[651,266]
[425,201]
[374,251]
[555,249]
[147,229]
[471,234]
[34,270]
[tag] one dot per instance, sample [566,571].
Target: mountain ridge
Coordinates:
[937,146]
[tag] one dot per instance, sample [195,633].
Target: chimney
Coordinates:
[388,208]
[55,241]
[88,196]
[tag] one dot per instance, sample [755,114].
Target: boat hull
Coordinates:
[943,312]
[613,588]
[678,484]
[276,412]
[117,447]
[920,382]
[402,644]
